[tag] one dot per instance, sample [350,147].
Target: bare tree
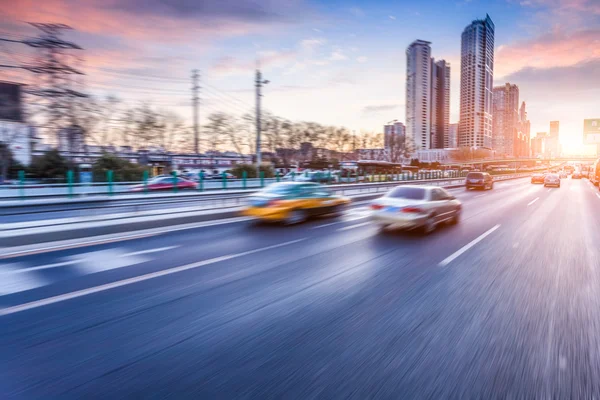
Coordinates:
[340,139]
[171,131]
[242,135]
[146,127]
[219,128]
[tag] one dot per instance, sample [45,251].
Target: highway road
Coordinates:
[504,305]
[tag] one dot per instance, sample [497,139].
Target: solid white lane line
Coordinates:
[84,242]
[354,226]
[480,195]
[71,262]
[459,252]
[55,265]
[10,283]
[136,253]
[533,201]
[598,195]
[74,245]
[141,278]
[549,189]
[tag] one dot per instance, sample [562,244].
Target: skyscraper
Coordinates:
[440,100]
[552,148]
[538,144]
[452,136]
[418,94]
[476,80]
[506,132]
[525,131]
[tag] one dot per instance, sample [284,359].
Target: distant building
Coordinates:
[440,104]
[432,155]
[71,140]
[372,154]
[19,138]
[554,126]
[418,93]
[453,135]
[537,144]
[525,128]
[394,135]
[506,135]
[476,80]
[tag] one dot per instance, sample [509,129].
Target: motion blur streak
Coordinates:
[325,313]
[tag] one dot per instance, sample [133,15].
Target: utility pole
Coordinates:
[259,82]
[195,99]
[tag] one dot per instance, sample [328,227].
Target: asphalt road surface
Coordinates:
[504,305]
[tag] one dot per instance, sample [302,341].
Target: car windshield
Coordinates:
[551,176]
[278,188]
[411,193]
[475,175]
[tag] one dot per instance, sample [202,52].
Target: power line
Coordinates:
[228,95]
[137,75]
[139,88]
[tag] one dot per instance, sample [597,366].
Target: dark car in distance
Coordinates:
[576,175]
[479,180]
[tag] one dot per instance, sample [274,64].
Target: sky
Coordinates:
[333,62]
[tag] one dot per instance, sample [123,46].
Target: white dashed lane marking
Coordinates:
[18,277]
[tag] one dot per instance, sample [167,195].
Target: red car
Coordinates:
[165,183]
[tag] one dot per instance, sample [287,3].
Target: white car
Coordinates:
[416,207]
[552,180]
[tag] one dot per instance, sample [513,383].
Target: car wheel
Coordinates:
[295,217]
[429,225]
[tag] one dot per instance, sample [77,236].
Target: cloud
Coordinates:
[555,49]
[161,20]
[559,80]
[337,55]
[588,6]
[263,11]
[393,18]
[357,12]
[379,108]
[362,59]
[311,44]
[317,30]
[229,65]
[566,93]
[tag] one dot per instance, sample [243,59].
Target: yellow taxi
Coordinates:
[294,202]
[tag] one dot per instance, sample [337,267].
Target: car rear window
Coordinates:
[411,193]
[474,175]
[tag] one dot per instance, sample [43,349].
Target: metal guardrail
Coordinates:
[208,200]
[64,190]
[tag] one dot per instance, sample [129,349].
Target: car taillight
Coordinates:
[414,210]
[376,206]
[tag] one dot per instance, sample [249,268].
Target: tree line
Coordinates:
[109,122]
